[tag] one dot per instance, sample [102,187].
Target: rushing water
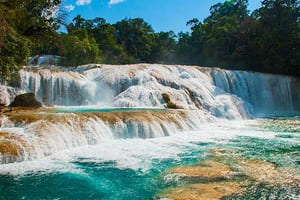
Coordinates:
[110,136]
[136,168]
[226,94]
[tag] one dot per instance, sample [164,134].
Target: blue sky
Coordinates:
[162,15]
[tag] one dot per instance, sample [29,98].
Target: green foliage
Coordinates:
[136,36]
[163,47]
[13,55]
[267,40]
[279,40]
[213,42]
[127,41]
[79,48]
[105,35]
[23,23]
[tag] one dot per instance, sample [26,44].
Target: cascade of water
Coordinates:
[142,85]
[7,94]
[64,88]
[134,86]
[205,94]
[52,133]
[268,94]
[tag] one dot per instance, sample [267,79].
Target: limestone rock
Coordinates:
[26,100]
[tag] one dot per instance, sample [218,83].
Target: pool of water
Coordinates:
[136,168]
[112,109]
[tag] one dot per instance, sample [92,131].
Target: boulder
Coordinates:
[26,100]
[170,104]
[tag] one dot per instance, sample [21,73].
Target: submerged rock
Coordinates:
[208,182]
[259,171]
[215,180]
[266,172]
[205,170]
[26,100]
[208,191]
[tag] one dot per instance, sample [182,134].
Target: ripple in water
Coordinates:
[139,168]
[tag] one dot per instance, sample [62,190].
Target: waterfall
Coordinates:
[224,93]
[7,94]
[268,94]
[205,94]
[64,87]
[38,135]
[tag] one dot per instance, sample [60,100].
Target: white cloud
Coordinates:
[112,2]
[69,8]
[83,2]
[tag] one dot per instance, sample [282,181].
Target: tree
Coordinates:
[23,24]
[268,40]
[221,31]
[279,36]
[213,42]
[136,36]
[105,35]
[79,48]
[163,47]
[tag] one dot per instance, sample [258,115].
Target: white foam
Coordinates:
[223,93]
[139,154]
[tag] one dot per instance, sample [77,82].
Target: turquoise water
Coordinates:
[96,180]
[136,168]
[104,110]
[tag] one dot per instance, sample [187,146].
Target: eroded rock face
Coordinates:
[26,100]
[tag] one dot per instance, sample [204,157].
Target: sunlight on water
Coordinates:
[109,136]
[135,168]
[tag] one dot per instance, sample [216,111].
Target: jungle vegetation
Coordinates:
[232,37]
